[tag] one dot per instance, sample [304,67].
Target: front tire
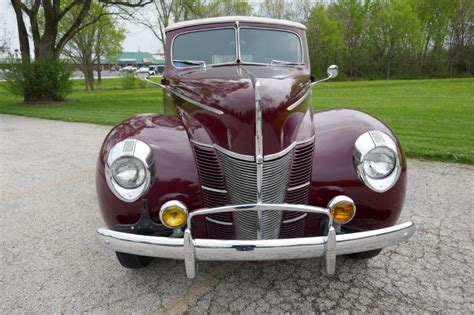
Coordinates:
[365,255]
[133,261]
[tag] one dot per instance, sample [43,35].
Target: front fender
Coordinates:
[333,171]
[175,170]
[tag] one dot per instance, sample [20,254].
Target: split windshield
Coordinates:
[218,46]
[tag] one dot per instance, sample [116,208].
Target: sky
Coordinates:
[138,38]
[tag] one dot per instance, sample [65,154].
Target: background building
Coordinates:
[134,58]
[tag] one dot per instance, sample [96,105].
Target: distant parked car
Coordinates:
[129,68]
[149,70]
[3,72]
[158,68]
[115,68]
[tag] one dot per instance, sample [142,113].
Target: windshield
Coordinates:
[269,46]
[204,48]
[217,46]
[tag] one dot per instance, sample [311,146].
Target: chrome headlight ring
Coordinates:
[133,149]
[377,141]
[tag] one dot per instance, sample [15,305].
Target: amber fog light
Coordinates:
[342,209]
[173,214]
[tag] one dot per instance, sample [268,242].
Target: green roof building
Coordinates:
[135,58]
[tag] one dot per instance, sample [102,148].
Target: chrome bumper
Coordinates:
[192,250]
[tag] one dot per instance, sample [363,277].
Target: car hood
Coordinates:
[217,106]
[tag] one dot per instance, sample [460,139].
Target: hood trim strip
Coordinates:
[196,103]
[301,100]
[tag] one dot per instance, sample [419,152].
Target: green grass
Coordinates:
[434,119]
[107,105]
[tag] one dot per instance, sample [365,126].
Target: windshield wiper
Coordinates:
[283,62]
[191,62]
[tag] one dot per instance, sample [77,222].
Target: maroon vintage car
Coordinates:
[240,167]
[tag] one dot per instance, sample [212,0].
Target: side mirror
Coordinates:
[332,71]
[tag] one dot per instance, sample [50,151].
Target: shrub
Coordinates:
[129,80]
[39,80]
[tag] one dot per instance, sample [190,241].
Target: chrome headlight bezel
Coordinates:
[364,144]
[134,149]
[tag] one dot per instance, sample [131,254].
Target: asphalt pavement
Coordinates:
[49,262]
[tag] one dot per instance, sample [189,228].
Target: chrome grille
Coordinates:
[241,179]
[298,189]
[300,175]
[209,168]
[214,193]
[229,178]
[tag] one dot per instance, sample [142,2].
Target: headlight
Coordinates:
[128,172]
[129,169]
[377,160]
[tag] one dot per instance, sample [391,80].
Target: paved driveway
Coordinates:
[49,262]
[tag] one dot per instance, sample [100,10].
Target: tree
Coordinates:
[275,9]
[4,39]
[434,17]
[212,8]
[324,41]
[461,38]
[352,18]
[98,40]
[395,31]
[108,43]
[44,32]
[164,12]
[294,10]
[159,15]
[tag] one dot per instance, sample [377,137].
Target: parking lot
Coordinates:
[104,74]
[49,262]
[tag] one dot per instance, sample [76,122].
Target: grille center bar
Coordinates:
[258,154]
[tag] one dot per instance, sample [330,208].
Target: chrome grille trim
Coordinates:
[218,222]
[295,219]
[299,186]
[220,191]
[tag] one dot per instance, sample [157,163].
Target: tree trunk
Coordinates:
[88,70]
[99,70]
[388,68]
[88,78]
[22,33]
